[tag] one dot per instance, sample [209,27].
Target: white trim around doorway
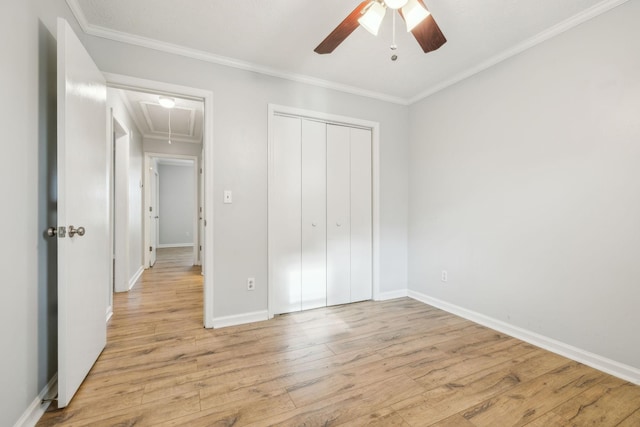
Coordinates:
[195,214]
[133,83]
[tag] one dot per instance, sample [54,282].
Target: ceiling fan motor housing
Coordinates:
[395,4]
[414,12]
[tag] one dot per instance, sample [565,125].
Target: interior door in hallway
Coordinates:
[153,216]
[83,213]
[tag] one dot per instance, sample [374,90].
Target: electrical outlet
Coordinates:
[444,276]
[251,284]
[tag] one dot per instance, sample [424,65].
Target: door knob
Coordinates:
[73,231]
[338,224]
[313,224]
[56,232]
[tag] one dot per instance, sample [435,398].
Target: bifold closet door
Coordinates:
[314,210]
[285,215]
[338,215]
[361,218]
[320,234]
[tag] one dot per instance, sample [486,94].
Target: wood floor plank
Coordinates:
[237,369]
[547,420]
[439,403]
[385,363]
[531,399]
[632,420]
[447,369]
[611,401]
[385,417]
[453,421]
[291,375]
[348,405]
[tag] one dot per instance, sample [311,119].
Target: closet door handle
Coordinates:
[338,224]
[313,224]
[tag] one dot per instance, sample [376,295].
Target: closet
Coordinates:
[320,221]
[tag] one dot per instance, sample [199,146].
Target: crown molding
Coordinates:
[119,36]
[557,29]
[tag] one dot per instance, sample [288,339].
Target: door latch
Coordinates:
[60,232]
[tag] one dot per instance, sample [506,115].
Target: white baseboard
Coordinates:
[134,279]
[37,408]
[383,296]
[240,319]
[109,312]
[175,245]
[617,369]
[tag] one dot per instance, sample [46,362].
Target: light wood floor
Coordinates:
[394,363]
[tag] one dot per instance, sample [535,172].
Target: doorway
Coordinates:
[205,167]
[120,212]
[173,203]
[154,217]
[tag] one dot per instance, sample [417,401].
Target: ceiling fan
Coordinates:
[369,14]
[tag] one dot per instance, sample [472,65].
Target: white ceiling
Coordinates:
[277,37]
[152,119]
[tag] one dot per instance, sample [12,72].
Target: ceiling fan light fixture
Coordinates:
[414,13]
[372,18]
[167,102]
[395,4]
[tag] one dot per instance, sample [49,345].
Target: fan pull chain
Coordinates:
[394,47]
[169,127]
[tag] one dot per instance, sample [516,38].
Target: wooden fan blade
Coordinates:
[427,33]
[342,31]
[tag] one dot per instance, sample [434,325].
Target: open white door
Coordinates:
[153,216]
[201,214]
[83,213]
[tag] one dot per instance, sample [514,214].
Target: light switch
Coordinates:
[228,196]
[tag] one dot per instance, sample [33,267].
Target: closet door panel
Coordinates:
[338,215]
[285,215]
[361,221]
[314,211]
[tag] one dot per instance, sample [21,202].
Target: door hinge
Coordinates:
[200,247]
[150,209]
[150,248]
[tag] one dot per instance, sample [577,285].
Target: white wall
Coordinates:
[134,186]
[27,190]
[240,151]
[525,187]
[136,203]
[177,203]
